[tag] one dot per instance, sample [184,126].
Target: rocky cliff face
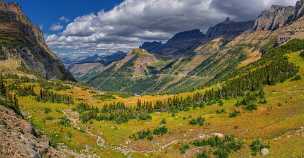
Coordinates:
[299,10]
[274,18]
[21,40]
[151,46]
[229,29]
[181,44]
[19,139]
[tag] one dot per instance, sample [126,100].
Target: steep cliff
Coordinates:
[299,10]
[274,18]
[229,29]
[22,41]
[151,46]
[181,44]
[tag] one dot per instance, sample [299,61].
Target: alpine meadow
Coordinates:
[152,79]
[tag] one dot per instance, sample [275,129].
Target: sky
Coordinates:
[74,27]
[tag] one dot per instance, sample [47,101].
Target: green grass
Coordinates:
[276,122]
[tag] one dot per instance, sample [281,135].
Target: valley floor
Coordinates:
[279,123]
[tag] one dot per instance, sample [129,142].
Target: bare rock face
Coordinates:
[21,39]
[19,139]
[299,10]
[229,29]
[274,18]
[151,46]
[181,44]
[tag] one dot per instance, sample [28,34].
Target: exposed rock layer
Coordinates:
[19,139]
[20,39]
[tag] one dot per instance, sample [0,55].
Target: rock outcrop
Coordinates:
[20,39]
[299,10]
[182,44]
[274,18]
[151,46]
[229,29]
[19,139]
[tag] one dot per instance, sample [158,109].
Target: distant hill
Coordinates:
[85,65]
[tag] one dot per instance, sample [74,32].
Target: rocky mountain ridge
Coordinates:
[22,41]
[204,63]
[184,43]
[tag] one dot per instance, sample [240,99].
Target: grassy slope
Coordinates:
[277,122]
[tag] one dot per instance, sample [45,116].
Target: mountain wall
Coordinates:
[21,40]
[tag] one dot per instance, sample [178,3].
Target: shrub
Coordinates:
[221,147]
[234,114]
[202,155]
[64,121]
[47,110]
[198,121]
[302,54]
[297,78]
[183,148]
[220,111]
[256,146]
[163,122]
[160,130]
[143,135]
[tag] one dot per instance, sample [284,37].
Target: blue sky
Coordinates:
[107,26]
[47,12]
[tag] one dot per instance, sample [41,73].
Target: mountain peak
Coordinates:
[13,7]
[274,18]
[228,29]
[299,9]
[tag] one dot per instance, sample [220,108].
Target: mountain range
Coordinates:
[234,91]
[193,59]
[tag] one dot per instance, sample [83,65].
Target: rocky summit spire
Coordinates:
[274,18]
[299,10]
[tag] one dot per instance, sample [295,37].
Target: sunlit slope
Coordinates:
[67,114]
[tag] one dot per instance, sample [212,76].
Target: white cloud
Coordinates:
[64,19]
[134,21]
[56,27]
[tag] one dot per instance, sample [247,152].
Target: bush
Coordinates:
[220,111]
[297,78]
[302,54]
[234,114]
[64,121]
[47,110]
[257,146]
[198,121]
[183,148]
[145,134]
[160,130]
[202,155]
[221,147]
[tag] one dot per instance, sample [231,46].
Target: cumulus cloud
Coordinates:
[133,21]
[56,27]
[244,10]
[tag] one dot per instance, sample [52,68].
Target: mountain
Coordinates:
[181,44]
[85,65]
[299,10]
[184,43]
[274,18]
[192,59]
[229,29]
[128,74]
[22,46]
[151,46]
